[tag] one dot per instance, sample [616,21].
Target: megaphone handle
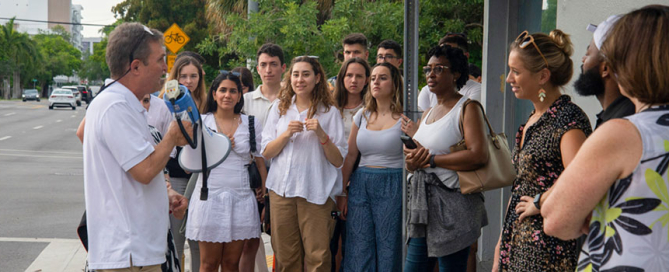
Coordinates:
[192,142]
[204,192]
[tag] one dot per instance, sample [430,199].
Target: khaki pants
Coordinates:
[151,268]
[301,233]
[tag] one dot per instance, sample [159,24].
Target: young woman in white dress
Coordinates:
[222,223]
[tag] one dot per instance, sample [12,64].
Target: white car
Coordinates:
[75,91]
[62,98]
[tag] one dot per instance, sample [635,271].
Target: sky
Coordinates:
[96,12]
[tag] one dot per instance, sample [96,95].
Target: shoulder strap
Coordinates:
[252,133]
[462,117]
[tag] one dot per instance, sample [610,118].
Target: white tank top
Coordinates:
[438,137]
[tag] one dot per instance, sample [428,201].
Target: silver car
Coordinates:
[62,98]
[30,94]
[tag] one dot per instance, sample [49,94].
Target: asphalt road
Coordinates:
[41,179]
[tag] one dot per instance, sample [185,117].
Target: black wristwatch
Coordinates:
[537,201]
[432,163]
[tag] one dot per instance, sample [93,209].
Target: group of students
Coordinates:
[331,159]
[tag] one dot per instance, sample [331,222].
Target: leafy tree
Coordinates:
[19,52]
[161,14]
[59,57]
[94,66]
[298,28]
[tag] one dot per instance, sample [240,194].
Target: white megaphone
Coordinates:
[207,149]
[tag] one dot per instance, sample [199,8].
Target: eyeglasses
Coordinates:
[450,34]
[388,57]
[225,72]
[525,39]
[141,40]
[437,69]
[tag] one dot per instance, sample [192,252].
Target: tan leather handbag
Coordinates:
[498,172]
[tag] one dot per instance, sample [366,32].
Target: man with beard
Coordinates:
[597,78]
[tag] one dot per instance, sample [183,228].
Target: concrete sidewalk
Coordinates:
[68,255]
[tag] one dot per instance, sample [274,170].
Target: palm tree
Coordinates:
[20,51]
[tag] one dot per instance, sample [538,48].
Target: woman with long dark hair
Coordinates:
[229,217]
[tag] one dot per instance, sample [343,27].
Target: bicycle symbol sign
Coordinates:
[175,38]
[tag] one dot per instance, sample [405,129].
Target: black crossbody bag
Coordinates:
[255,181]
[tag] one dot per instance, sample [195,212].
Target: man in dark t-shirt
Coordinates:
[597,78]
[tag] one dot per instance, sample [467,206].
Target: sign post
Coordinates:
[175,38]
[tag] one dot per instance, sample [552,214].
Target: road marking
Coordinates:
[42,151]
[58,255]
[10,114]
[36,107]
[58,121]
[39,156]
[73,116]
[5,138]
[38,127]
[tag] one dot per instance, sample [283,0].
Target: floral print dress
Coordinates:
[524,245]
[629,229]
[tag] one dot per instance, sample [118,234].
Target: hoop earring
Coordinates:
[542,94]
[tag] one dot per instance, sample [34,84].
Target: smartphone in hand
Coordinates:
[408,142]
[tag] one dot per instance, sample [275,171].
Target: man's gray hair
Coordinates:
[129,41]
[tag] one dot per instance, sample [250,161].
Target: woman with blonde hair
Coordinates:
[615,190]
[374,211]
[304,138]
[539,65]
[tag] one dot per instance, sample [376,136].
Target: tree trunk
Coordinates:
[6,91]
[17,84]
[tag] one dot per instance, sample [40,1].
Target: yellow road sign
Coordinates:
[170,62]
[175,38]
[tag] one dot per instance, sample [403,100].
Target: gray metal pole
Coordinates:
[410,88]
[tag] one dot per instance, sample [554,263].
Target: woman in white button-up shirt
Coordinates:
[304,137]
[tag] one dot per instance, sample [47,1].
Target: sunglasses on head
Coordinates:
[225,72]
[141,40]
[451,34]
[525,39]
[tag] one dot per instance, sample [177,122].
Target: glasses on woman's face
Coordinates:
[525,39]
[437,69]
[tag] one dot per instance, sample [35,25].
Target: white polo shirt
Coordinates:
[126,219]
[427,99]
[301,168]
[256,104]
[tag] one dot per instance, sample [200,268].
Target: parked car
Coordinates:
[75,91]
[62,98]
[30,94]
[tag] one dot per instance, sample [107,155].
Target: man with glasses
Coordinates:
[472,89]
[125,190]
[389,51]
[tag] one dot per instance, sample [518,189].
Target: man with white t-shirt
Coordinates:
[127,202]
[472,89]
